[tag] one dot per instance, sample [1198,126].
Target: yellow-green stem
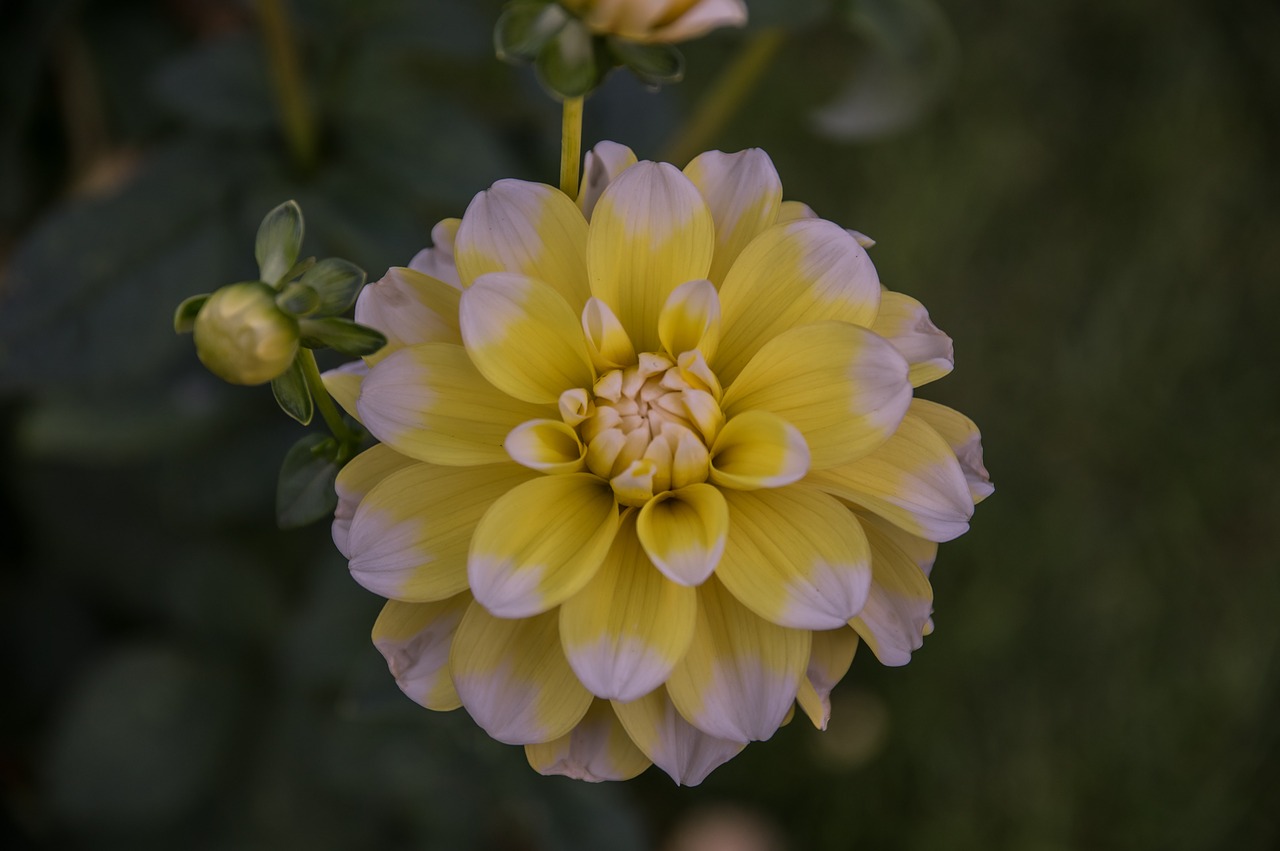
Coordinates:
[570,146]
[725,97]
[286,77]
[328,410]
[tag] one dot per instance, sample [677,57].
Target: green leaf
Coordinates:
[342,335]
[298,299]
[337,282]
[305,492]
[299,269]
[293,395]
[184,318]
[567,65]
[279,242]
[654,64]
[525,28]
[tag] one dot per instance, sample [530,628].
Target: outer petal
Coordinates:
[602,166]
[415,638]
[437,261]
[795,273]
[844,387]
[683,751]
[904,322]
[901,599]
[796,557]
[829,661]
[410,535]
[626,630]
[790,211]
[409,308]
[528,228]
[744,194]
[540,543]
[343,384]
[704,16]
[758,449]
[683,532]
[650,232]
[512,677]
[355,480]
[597,749]
[741,674]
[912,480]
[430,402]
[962,435]
[549,446]
[524,337]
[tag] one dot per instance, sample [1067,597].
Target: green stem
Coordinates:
[286,77]
[324,402]
[570,146]
[726,96]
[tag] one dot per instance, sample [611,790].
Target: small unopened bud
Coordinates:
[242,337]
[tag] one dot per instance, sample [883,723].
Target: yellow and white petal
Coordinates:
[758,449]
[690,320]
[905,322]
[741,673]
[527,228]
[431,403]
[354,482]
[744,194]
[901,600]
[548,446]
[601,166]
[411,534]
[913,480]
[512,677]
[606,339]
[597,749]
[829,661]
[415,639]
[683,532]
[524,337]
[343,384]
[437,261]
[790,211]
[923,552]
[796,557]
[842,386]
[793,274]
[650,232]
[626,630]
[962,435]
[683,751]
[701,18]
[540,543]
[409,308]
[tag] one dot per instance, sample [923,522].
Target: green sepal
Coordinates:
[279,242]
[525,27]
[184,318]
[654,64]
[299,269]
[341,335]
[305,491]
[298,299]
[568,65]
[337,282]
[292,393]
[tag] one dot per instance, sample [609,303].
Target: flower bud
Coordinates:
[242,337]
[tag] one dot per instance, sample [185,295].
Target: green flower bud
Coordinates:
[242,337]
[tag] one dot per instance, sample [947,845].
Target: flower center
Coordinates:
[648,427]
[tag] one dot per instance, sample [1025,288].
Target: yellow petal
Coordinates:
[741,673]
[602,165]
[437,261]
[626,630]
[409,308]
[524,338]
[757,449]
[355,480]
[690,320]
[923,553]
[743,192]
[796,557]
[343,384]
[842,386]
[905,323]
[415,639]
[607,340]
[430,402]
[512,677]
[549,446]
[410,535]
[913,480]
[650,232]
[901,599]
[527,228]
[540,543]
[683,531]
[790,211]
[829,661]
[794,274]
[962,435]
[597,749]
[683,751]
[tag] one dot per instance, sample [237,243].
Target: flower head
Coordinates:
[651,465]
[243,337]
[666,21]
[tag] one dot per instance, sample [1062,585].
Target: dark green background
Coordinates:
[1092,211]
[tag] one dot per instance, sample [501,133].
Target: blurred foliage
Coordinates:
[1090,210]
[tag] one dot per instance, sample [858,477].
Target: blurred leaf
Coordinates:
[279,242]
[298,299]
[292,393]
[341,335]
[567,65]
[220,86]
[184,318]
[525,27]
[337,282]
[305,493]
[654,64]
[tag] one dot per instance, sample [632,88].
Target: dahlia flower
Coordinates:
[651,465]
[658,20]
